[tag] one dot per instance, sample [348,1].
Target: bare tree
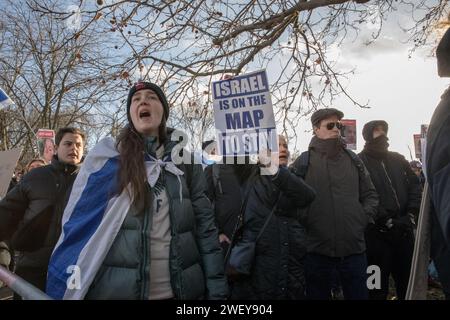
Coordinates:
[188,44]
[54,79]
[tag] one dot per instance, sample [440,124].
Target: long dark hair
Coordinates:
[130,145]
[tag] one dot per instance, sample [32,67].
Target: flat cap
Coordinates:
[321,114]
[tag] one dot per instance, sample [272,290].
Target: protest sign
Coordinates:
[8,161]
[423,146]
[423,131]
[46,144]
[417,146]
[349,133]
[243,115]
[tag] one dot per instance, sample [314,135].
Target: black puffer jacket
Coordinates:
[393,173]
[278,267]
[224,191]
[399,189]
[30,214]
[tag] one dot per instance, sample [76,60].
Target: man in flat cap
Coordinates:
[346,201]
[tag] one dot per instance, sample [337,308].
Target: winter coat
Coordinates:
[438,175]
[224,191]
[278,271]
[30,214]
[398,187]
[346,201]
[196,260]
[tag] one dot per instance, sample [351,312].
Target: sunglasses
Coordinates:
[331,125]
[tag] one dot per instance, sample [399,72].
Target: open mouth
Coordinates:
[144,114]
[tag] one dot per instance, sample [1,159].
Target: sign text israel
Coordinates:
[243,115]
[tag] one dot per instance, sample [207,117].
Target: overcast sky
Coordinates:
[402,91]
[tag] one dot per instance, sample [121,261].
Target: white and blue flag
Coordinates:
[92,219]
[5,100]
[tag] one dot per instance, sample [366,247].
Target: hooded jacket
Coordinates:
[398,188]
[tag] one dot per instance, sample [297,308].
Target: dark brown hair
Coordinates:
[132,167]
[61,132]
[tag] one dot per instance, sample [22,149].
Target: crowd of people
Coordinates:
[138,226]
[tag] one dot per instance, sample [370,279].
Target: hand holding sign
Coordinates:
[269,161]
[243,115]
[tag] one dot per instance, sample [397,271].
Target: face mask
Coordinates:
[211,159]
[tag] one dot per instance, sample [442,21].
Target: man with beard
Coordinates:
[345,203]
[390,241]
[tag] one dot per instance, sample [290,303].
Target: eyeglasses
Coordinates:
[331,125]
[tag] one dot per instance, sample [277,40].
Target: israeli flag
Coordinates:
[75,259]
[92,219]
[5,100]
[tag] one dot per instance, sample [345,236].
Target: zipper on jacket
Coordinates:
[172,233]
[145,255]
[334,208]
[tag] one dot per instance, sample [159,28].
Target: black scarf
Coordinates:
[331,147]
[378,147]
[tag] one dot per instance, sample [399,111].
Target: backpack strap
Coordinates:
[239,225]
[300,166]
[357,161]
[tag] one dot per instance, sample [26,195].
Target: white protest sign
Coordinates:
[243,115]
[8,161]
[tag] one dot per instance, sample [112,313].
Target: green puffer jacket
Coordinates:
[196,259]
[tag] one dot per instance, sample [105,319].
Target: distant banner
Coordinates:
[417,146]
[349,133]
[8,161]
[243,115]
[423,131]
[423,146]
[46,144]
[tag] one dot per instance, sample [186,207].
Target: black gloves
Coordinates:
[404,223]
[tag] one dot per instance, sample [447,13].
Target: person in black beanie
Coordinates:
[167,245]
[390,240]
[438,172]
